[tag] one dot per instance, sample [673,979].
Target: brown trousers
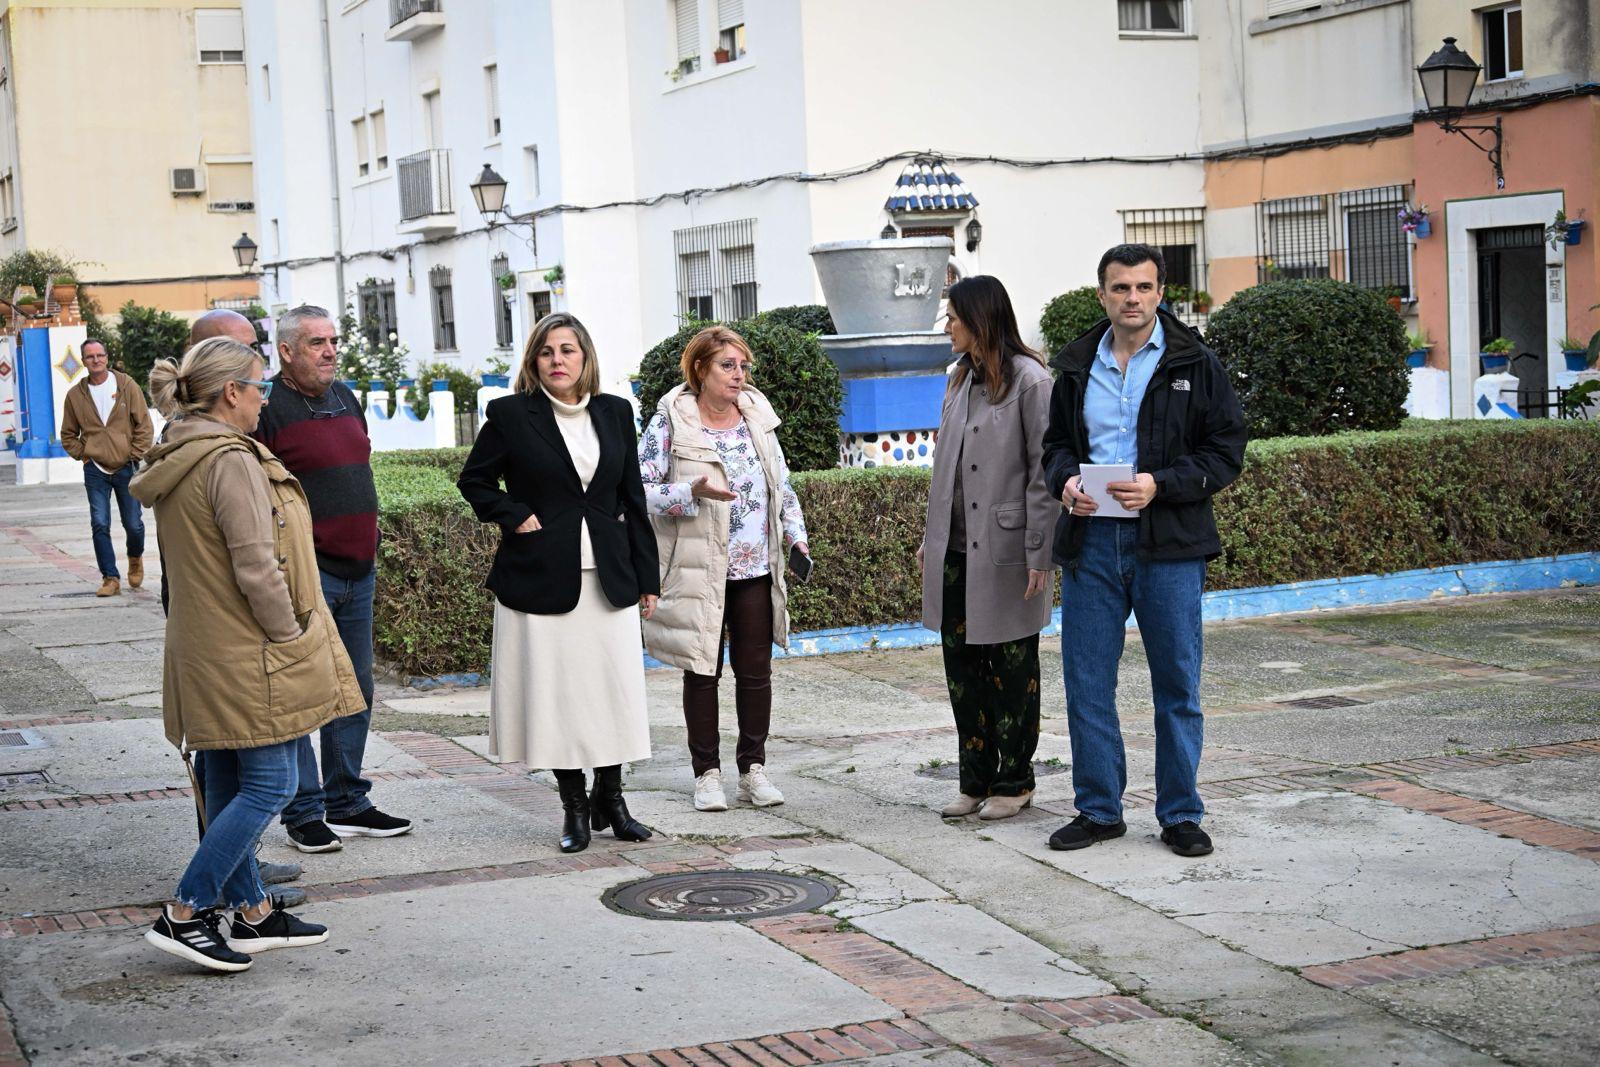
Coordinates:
[747,632]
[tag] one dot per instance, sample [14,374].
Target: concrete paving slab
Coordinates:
[933,1057]
[1484,718]
[592,983]
[95,621]
[110,679]
[673,813]
[981,951]
[1540,1014]
[474,701]
[871,883]
[1163,1043]
[1518,632]
[134,853]
[981,1024]
[1304,878]
[1255,661]
[1567,790]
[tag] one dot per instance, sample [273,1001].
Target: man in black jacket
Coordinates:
[1139,388]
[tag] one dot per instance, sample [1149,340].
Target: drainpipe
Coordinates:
[333,162]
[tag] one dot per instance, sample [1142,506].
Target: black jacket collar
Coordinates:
[1183,345]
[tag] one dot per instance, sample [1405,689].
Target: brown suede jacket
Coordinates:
[118,441]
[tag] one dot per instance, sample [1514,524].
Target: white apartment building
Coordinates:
[679,156]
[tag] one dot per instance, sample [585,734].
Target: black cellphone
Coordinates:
[800,563]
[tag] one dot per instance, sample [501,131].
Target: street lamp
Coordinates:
[974,234]
[889,233]
[244,253]
[1448,78]
[489,192]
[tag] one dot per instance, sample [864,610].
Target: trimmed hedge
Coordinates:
[1430,494]
[1067,316]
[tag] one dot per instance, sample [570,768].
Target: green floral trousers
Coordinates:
[994,691]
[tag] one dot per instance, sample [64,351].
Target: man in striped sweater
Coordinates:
[315,425]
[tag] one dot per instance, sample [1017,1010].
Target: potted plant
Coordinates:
[1201,300]
[64,287]
[1414,220]
[722,55]
[1177,294]
[1564,231]
[28,306]
[556,278]
[1496,355]
[1419,345]
[1391,293]
[1575,352]
[508,280]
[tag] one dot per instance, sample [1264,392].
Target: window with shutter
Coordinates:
[730,30]
[219,35]
[1289,7]
[686,19]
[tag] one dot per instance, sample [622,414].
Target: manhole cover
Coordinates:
[711,896]
[950,772]
[22,778]
[1321,702]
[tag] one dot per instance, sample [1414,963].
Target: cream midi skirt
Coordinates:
[567,691]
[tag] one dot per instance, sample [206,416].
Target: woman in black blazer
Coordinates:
[576,554]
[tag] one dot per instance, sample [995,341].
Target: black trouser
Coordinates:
[994,691]
[747,630]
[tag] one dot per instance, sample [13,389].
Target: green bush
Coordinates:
[1428,495]
[462,384]
[1313,357]
[147,335]
[807,318]
[791,370]
[1068,315]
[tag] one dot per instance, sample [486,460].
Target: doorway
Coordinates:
[1511,304]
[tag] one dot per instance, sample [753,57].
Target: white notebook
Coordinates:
[1093,479]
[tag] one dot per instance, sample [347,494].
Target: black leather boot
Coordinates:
[607,808]
[575,811]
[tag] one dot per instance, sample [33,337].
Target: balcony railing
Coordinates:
[425,183]
[400,10]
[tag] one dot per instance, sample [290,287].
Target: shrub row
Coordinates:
[1430,494]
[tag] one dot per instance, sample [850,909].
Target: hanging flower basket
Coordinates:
[1414,220]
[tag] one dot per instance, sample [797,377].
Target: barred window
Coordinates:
[378,319]
[1180,234]
[498,268]
[1354,236]
[716,270]
[1379,257]
[1294,238]
[444,310]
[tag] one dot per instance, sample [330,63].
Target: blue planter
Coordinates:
[1493,362]
[1417,358]
[1575,233]
[1423,229]
[1577,359]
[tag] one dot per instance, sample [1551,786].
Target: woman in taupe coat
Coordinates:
[985,557]
[253,659]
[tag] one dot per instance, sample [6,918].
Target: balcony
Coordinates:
[426,206]
[411,20]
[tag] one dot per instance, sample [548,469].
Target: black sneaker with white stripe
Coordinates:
[198,940]
[278,930]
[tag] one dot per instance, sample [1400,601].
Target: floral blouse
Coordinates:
[747,518]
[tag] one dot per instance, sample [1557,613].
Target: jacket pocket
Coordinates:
[300,671]
[1006,541]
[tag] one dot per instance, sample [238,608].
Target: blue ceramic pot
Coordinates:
[1494,362]
[1417,358]
[1577,359]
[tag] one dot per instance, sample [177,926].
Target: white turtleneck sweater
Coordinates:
[583,445]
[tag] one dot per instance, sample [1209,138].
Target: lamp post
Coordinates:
[244,253]
[489,193]
[1448,78]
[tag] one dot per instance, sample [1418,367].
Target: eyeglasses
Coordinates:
[728,366]
[265,387]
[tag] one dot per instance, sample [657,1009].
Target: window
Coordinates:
[540,305]
[228,187]
[686,27]
[1352,235]
[444,310]
[717,270]
[219,34]
[358,130]
[277,240]
[491,87]
[530,168]
[1179,233]
[266,81]
[8,205]
[730,30]
[1502,43]
[432,120]
[379,322]
[498,268]
[1152,16]
[380,140]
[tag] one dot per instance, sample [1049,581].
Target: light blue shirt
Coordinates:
[1111,401]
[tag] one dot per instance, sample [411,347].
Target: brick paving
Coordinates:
[90,800]
[795,1049]
[1533,829]
[1453,959]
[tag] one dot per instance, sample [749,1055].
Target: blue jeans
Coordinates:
[244,789]
[341,792]
[100,486]
[1164,596]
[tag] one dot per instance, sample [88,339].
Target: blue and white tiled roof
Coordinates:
[928,185]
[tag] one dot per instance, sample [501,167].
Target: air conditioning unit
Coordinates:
[188,181]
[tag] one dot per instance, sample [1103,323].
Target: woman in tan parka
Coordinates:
[253,659]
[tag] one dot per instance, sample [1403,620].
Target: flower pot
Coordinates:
[1494,362]
[1577,358]
[1417,358]
[1575,233]
[1423,229]
[1394,302]
[64,294]
[722,55]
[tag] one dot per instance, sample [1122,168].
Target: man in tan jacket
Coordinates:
[105,424]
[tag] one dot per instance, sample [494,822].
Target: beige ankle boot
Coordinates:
[961,805]
[109,587]
[135,571]
[1004,807]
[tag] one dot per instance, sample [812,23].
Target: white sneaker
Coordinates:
[708,794]
[755,789]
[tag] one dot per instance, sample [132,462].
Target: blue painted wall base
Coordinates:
[878,405]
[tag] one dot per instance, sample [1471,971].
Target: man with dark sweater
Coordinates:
[316,427]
